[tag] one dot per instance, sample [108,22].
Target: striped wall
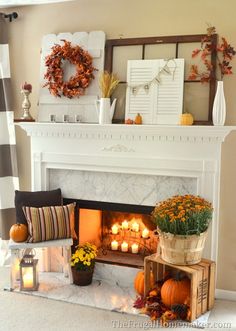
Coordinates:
[8,163]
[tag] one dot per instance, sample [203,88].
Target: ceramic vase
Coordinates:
[219,107]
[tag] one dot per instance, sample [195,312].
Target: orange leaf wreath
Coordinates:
[77,84]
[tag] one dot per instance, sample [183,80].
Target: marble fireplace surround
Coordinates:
[178,159]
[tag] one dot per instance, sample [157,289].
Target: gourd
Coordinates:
[129,121]
[138,119]
[175,291]
[139,282]
[18,232]
[186,119]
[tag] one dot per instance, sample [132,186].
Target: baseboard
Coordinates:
[225,295]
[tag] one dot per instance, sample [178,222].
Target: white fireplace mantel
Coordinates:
[176,151]
[113,131]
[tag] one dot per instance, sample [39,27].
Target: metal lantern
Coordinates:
[29,272]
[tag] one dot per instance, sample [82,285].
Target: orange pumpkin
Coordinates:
[139,282]
[129,121]
[18,232]
[175,291]
[186,119]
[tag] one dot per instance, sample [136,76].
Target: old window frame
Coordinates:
[177,40]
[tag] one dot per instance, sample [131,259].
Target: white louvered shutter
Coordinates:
[140,101]
[162,103]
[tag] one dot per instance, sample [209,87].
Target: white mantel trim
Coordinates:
[207,134]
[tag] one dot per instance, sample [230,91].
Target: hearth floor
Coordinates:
[100,294]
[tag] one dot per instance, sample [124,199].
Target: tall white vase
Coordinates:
[219,107]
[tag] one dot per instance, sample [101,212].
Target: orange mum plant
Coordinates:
[183,215]
[223,51]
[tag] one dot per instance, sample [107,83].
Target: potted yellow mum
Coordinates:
[182,223]
[82,264]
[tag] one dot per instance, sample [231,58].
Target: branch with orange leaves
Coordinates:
[224,54]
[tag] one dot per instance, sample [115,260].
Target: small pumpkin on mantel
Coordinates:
[186,119]
[18,232]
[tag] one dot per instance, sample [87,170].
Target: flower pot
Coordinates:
[182,250]
[82,277]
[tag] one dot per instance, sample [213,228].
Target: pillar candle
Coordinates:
[145,233]
[115,229]
[28,280]
[135,227]
[124,247]
[114,245]
[125,225]
[134,248]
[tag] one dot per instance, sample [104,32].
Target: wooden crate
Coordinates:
[201,275]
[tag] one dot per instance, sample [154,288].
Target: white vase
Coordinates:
[105,110]
[219,107]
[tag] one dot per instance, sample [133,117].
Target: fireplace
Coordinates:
[129,164]
[123,233]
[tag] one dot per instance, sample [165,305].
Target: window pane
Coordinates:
[120,57]
[185,52]
[163,51]
[196,98]
[120,95]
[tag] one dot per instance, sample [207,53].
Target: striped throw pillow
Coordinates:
[49,223]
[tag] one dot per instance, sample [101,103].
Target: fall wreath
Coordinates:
[76,85]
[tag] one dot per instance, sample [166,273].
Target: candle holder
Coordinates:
[29,272]
[26,104]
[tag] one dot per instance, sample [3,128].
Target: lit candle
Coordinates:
[28,280]
[125,225]
[145,233]
[135,227]
[114,245]
[124,247]
[134,248]
[115,229]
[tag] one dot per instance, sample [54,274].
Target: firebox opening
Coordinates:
[124,234]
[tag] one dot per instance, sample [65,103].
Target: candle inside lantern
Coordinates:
[145,233]
[115,229]
[28,279]
[134,248]
[114,245]
[125,225]
[135,227]
[124,247]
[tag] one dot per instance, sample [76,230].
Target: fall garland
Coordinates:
[54,75]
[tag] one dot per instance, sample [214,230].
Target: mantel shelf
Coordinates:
[130,132]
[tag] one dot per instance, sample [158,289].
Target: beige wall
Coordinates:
[131,18]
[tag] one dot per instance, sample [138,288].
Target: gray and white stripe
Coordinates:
[8,164]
